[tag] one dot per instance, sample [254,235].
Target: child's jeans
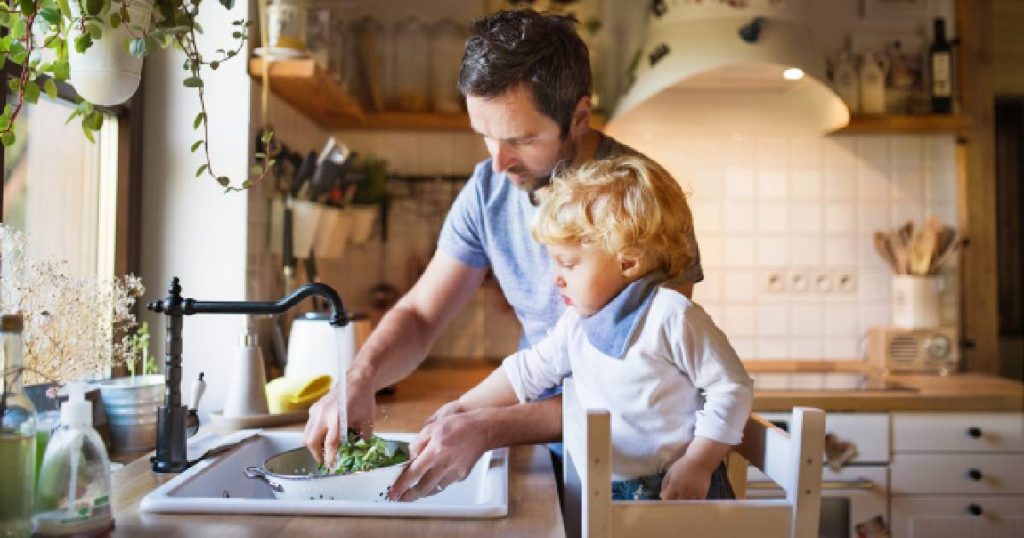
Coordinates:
[648,488]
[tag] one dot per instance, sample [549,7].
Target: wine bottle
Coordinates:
[941,63]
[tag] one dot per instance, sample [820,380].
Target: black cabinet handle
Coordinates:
[974,474]
[974,432]
[975,510]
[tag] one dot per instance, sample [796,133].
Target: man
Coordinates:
[526,79]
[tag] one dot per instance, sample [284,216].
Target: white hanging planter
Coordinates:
[106,74]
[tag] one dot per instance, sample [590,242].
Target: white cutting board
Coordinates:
[220,486]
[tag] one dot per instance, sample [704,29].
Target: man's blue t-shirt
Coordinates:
[489,225]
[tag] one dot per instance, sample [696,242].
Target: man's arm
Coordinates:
[394,349]
[404,335]
[450,444]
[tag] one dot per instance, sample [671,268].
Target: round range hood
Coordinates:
[730,63]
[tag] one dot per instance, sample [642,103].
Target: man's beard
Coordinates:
[531,184]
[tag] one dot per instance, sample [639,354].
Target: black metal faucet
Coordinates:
[171,456]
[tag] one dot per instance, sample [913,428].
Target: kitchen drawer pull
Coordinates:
[831,485]
[974,474]
[975,510]
[974,432]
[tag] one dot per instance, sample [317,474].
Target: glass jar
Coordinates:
[447,42]
[411,66]
[17,434]
[286,24]
[373,82]
[340,54]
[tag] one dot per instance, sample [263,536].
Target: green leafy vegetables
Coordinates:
[359,454]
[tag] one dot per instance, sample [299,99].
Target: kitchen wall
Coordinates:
[765,204]
[190,228]
[770,205]
[487,326]
[783,218]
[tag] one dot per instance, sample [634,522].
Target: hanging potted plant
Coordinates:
[97,47]
[106,73]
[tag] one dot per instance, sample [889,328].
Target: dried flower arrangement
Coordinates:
[76,327]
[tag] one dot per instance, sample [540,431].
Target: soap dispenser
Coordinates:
[247,393]
[73,493]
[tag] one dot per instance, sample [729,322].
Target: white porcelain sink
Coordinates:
[220,486]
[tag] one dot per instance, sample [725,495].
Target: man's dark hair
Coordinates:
[540,50]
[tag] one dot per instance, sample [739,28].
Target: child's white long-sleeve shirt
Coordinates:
[678,378]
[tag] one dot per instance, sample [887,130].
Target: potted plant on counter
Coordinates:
[97,46]
[76,327]
[370,194]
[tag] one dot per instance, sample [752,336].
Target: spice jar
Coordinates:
[411,66]
[447,41]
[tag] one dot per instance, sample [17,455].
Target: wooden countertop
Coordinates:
[954,393]
[957,392]
[963,392]
[533,500]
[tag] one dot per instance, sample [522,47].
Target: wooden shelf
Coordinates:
[310,90]
[904,124]
[314,93]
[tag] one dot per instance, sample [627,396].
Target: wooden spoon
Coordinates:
[954,244]
[922,249]
[885,250]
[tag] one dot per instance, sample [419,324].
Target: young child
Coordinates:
[677,393]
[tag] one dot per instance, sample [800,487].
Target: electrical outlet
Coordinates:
[774,282]
[845,281]
[799,282]
[822,282]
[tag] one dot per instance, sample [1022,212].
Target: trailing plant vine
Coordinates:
[40,32]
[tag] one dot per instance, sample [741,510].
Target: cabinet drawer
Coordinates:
[981,474]
[958,432]
[955,517]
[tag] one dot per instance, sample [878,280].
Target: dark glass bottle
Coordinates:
[940,57]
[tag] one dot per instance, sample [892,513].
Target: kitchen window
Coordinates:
[82,205]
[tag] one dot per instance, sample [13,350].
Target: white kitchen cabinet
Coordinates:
[957,475]
[957,517]
[958,432]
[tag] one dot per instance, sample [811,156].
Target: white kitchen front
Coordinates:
[852,167]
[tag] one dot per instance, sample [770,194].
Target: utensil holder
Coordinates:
[364,217]
[915,301]
[333,232]
[305,221]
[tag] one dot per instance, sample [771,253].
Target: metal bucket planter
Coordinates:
[131,404]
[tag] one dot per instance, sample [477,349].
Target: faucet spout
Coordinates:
[172,416]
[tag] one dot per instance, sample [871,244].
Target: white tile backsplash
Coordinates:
[739,217]
[772,184]
[739,183]
[793,204]
[806,183]
[773,320]
[739,251]
[739,321]
[738,286]
[773,251]
[840,184]
[840,217]
[771,217]
[707,216]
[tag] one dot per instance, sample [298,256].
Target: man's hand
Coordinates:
[687,479]
[450,408]
[321,435]
[443,453]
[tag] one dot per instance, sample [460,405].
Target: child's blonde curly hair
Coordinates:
[616,204]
